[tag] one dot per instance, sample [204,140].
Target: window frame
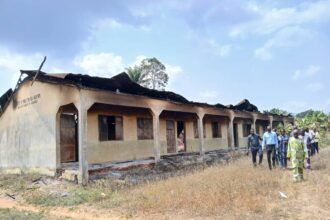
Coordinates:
[104,128]
[217,133]
[246,129]
[144,121]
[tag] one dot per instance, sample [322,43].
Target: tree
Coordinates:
[313,119]
[154,74]
[135,74]
[277,111]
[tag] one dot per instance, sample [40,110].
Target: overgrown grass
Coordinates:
[74,195]
[325,140]
[16,183]
[234,191]
[14,214]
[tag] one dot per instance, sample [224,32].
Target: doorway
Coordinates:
[181,136]
[235,135]
[68,137]
[170,136]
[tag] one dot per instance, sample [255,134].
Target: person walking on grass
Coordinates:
[308,145]
[312,136]
[316,140]
[277,149]
[296,153]
[254,145]
[270,143]
[283,146]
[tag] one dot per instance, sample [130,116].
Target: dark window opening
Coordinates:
[110,128]
[235,135]
[216,130]
[246,129]
[144,129]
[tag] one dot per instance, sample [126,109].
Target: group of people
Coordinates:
[298,146]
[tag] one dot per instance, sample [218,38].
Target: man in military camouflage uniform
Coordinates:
[296,153]
[254,145]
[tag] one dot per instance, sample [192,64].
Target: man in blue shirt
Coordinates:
[270,142]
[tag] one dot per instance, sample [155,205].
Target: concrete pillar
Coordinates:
[156,132]
[254,120]
[200,127]
[285,122]
[231,131]
[271,121]
[82,141]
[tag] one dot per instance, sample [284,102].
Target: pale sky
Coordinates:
[274,53]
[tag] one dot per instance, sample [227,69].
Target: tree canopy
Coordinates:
[314,119]
[150,73]
[135,74]
[278,111]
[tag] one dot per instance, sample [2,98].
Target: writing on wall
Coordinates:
[28,101]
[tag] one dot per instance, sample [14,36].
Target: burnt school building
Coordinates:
[53,120]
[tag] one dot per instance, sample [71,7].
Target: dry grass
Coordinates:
[235,191]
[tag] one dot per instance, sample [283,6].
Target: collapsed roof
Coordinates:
[245,105]
[121,83]
[4,99]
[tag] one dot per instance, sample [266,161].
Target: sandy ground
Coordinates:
[81,212]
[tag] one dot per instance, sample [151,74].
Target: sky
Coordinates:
[273,53]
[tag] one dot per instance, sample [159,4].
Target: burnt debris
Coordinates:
[120,83]
[245,105]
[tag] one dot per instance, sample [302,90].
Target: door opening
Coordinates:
[235,135]
[68,137]
[170,136]
[181,136]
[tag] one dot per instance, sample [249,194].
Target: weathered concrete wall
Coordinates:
[130,148]
[99,152]
[243,142]
[28,128]
[216,143]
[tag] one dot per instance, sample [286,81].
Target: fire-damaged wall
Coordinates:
[28,128]
[130,147]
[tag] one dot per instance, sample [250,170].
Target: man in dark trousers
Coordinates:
[270,143]
[254,145]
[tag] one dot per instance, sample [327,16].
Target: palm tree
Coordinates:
[314,119]
[135,74]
